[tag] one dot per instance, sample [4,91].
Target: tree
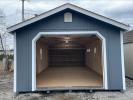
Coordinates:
[3,39]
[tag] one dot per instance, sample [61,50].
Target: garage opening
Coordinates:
[69,61]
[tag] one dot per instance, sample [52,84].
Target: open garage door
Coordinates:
[69,62]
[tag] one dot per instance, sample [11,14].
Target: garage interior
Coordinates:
[69,61]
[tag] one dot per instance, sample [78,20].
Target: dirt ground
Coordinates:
[6,93]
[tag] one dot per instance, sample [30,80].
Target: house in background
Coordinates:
[128,53]
[68,48]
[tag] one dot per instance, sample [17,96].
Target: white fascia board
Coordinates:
[73,7]
[100,17]
[32,20]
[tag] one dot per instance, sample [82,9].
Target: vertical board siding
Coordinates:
[22,62]
[56,23]
[115,66]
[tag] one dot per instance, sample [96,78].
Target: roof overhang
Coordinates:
[68,6]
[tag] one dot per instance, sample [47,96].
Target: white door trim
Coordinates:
[104,60]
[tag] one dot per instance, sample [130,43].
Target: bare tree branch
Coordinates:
[3,40]
[2,44]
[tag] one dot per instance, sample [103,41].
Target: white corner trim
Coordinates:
[33,67]
[122,61]
[73,7]
[15,65]
[104,59]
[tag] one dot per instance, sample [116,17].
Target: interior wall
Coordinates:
[42,56]
[93,56]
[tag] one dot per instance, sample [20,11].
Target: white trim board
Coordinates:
[104,60]
[15,63]
[122,61]
[73,7]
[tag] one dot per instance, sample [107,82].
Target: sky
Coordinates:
[120,10]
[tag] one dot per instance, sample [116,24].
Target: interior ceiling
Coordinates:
[68,41]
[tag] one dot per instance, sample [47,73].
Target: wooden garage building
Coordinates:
[68,48]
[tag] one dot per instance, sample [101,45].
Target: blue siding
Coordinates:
[56,23]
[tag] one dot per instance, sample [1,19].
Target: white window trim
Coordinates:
[122,61]
[104,60]
[15,65]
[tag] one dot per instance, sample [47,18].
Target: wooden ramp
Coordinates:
[69,76]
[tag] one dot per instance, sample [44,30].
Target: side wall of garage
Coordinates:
[93,58]
[42,58]
[56,23]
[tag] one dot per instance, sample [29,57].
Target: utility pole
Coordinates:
[23,10]
[23,1]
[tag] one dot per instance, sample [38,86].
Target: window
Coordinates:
[68,17]
[41,53]
[95,50]
[88,50]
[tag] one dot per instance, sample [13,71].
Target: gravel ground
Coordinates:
[6,93]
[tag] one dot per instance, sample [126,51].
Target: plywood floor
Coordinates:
[68,76]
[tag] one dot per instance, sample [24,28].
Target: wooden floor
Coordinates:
[68,77]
